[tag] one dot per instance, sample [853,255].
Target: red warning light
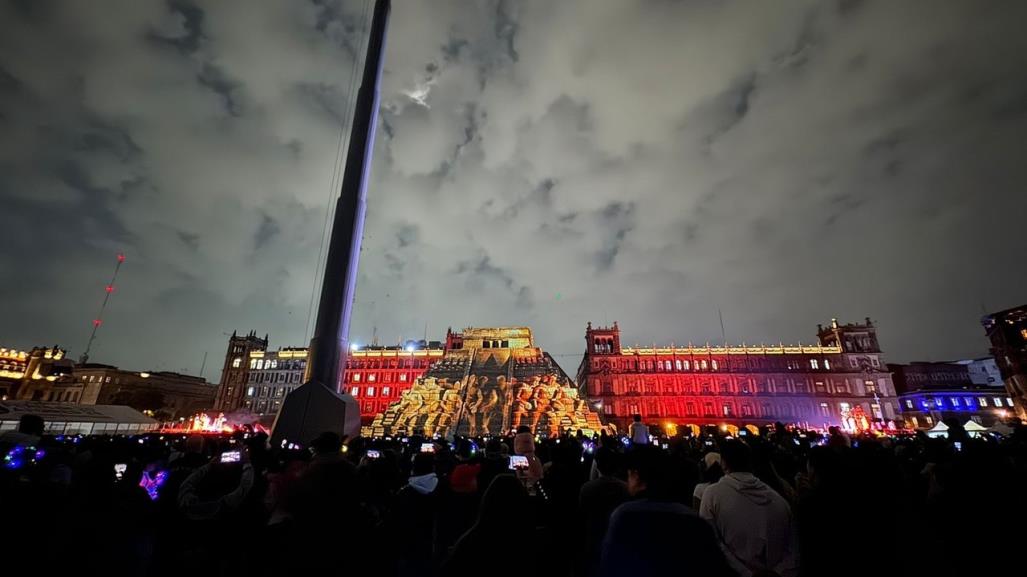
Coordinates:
[97,322]
[121,257]
[110,288]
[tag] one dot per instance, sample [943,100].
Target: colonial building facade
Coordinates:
[1007,331]
[258,380]
[841,381]
[958,390]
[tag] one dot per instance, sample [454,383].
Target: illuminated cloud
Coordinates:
[538,163]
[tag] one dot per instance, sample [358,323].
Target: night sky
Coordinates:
[537,163]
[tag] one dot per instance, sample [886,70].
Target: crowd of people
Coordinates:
[785,502]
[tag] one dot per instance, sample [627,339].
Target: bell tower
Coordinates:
[602,340]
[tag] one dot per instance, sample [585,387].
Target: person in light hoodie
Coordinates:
[753,523]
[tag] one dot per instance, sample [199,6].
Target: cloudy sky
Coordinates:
[538,163]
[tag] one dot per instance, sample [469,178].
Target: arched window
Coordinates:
[677,364]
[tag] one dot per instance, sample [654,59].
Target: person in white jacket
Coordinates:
[753,523]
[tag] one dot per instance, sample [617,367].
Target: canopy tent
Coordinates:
[939,430]
[973,427]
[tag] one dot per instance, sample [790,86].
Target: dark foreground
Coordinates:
[785,504]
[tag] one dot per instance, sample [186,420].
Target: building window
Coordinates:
[827,365]
[713,363]
[746,411]
[955,402]
[280,392]
[385,391]
[703,364]
[1009,400]
[249,391]
[968,402]
[870,386]
[824,410]
[708,409]
[236,362]
[996,400]
[814,364]
[909,404]
[356,377]
[354,391]
[402,377]
[253,363]
[727,409]
[875,409]
[685,365]
[690,408]
[677,364]
[371,377]
[929,419]
[370,391]
[982,401]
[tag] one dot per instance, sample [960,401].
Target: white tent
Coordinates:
[939,430]
[974,429]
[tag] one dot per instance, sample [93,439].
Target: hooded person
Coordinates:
[411,522]
[752,521]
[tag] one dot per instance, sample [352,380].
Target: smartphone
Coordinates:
[709,443]
[427,447]
[231,457]
[372,454]
[119,470]
[518,462]
[665,446]
[958,445]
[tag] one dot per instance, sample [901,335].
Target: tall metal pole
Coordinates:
[320,405]
[330,344]
[103,307]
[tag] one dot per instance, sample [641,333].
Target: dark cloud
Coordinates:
[539,164]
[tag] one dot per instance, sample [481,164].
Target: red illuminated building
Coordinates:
[258,380]
[841,380]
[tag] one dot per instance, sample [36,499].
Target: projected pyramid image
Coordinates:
[491,380]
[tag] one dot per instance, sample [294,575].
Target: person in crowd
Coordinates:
[711,474]
[638,431]
[505,514]
[753,523]
[29,432]
[327,493]
[597,500]
[218,488]
[411,521]
[653,535]
[524,445]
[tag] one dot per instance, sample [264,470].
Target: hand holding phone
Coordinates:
[373,454]
[427,447]
[231,457]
